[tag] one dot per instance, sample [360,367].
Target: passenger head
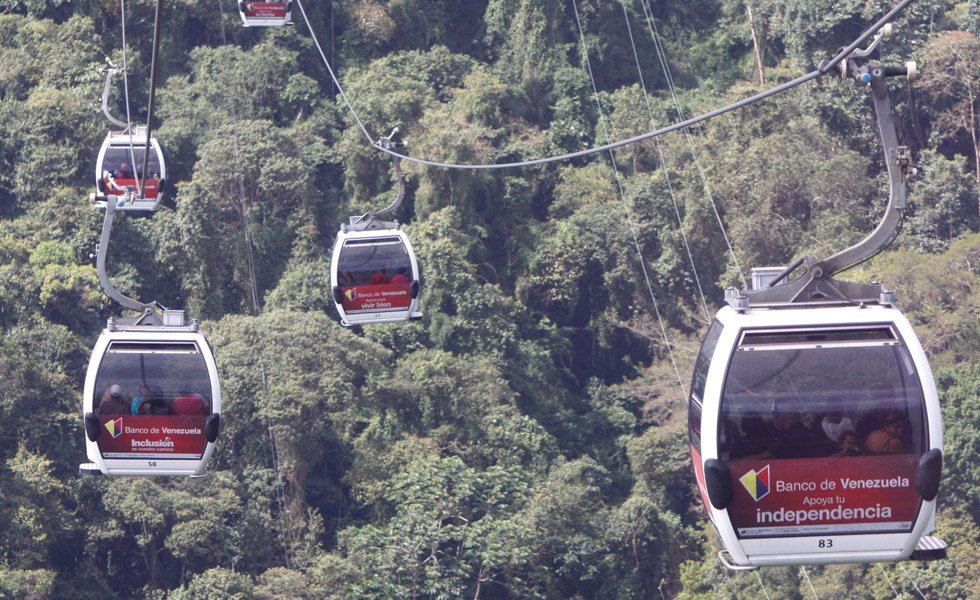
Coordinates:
[893,422]
[115,391]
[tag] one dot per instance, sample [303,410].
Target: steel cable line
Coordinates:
[287,525]
[902,567]
[662,56]
[129,123]
[810,583]
[626,208]
[824,67]
[663,161]
[759,577]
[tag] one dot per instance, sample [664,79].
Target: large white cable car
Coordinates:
[130,170]
[374,275]
[814,420]
[265,14]
[152,401]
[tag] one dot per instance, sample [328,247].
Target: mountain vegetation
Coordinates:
[528,437]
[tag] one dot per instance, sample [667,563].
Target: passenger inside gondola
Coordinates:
[112,402]
[888,438]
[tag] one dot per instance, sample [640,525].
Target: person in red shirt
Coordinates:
[400,276]
[189,404]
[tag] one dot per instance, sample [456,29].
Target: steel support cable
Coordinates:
[129,121]
[626,208]
[824,67]
[663,161]
[885,575]
[662,57]
[763,585]
[153,89]
[810,583]
[287,525]
[902,567]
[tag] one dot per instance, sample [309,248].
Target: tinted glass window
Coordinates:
[793,396]
[120,163]
[822,432]
[366,262]
[158,373]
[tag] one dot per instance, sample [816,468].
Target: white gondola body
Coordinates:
[118,165]
[163,442]
[265,14]
[753,530]
[358,258]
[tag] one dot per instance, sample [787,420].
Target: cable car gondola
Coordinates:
[374,276]
[265,14]
[373,272]
[151,401]
[814,421]
[124,173]
[119,169]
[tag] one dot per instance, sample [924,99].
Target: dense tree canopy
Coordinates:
[527,437]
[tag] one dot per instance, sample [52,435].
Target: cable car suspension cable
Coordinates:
[902,567]
[153,87]
[822,69]
[663,161]
[888,579]
[761,583]
[662,57]
[622,196]
[129,121]
[286,528]
[810,583]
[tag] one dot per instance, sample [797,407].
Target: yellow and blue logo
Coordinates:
[351,294]
[756,483]
[114,427]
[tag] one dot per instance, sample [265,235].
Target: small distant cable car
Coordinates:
[151,402]
[119,169]
[373,272]
[265,14]
[814,421]
[374,276]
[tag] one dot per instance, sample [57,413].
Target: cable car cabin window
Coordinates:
[822,430]
[153,379]
[373,262]
[123,163]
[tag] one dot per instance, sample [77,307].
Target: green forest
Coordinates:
[527,438]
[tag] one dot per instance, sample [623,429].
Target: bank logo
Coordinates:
[114,427]
[351,294]
[756,483]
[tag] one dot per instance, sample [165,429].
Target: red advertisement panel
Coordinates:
[267,10]
[824,495]
[149,187]
[380,297]
[152,436]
